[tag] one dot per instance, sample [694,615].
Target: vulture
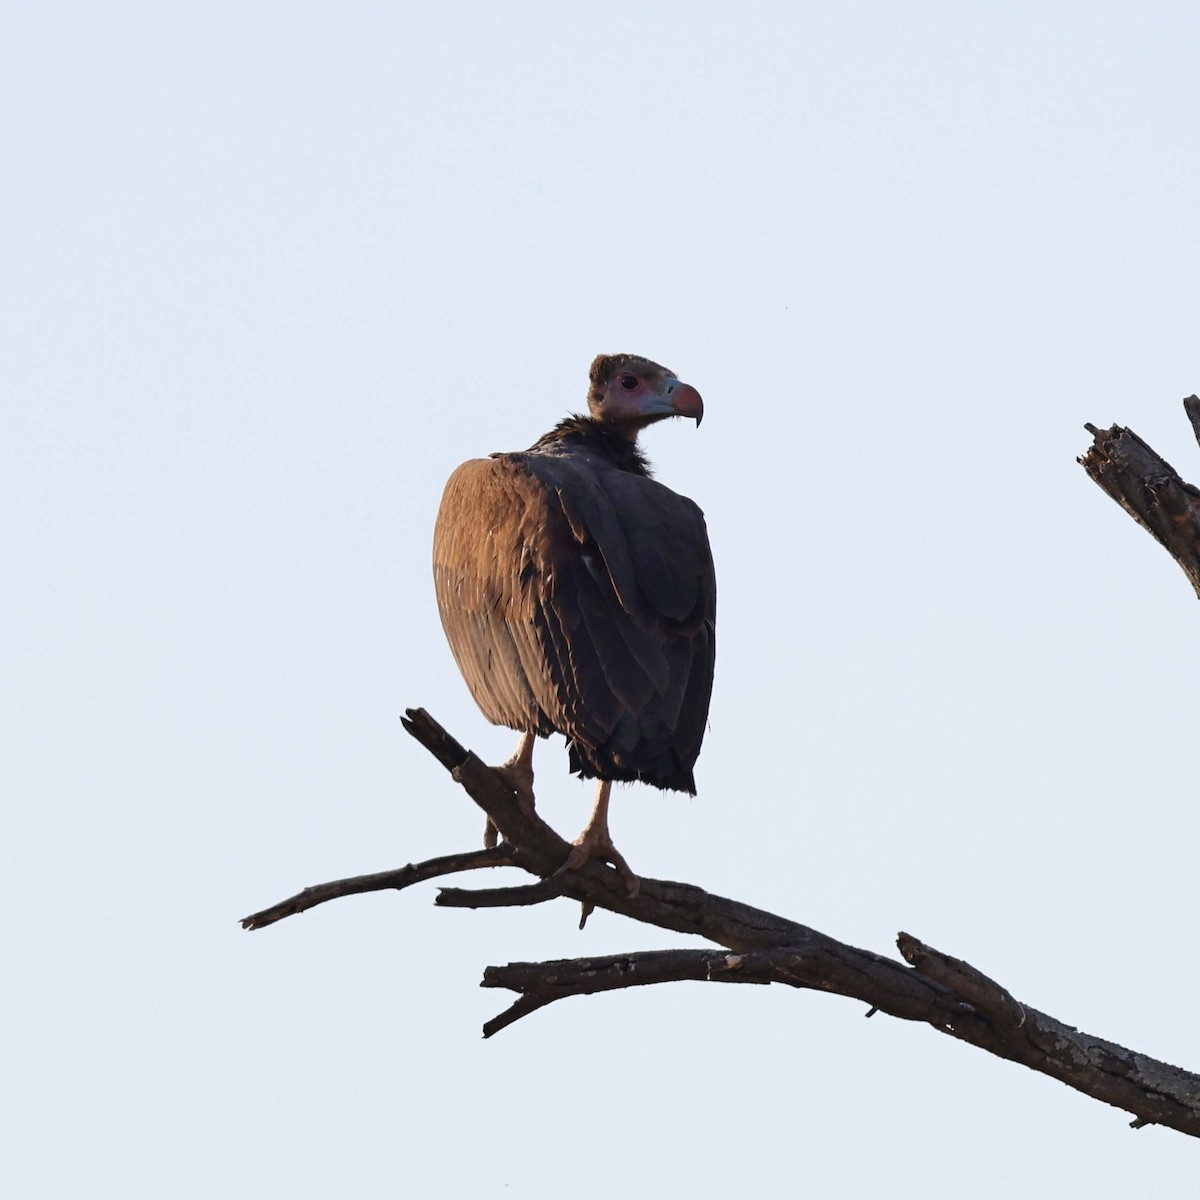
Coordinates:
[578,595]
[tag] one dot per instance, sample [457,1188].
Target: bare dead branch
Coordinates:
[519,1008]
[402,877]
[1150,490]
[509,897]
[585,976]
[1191,406]
[962,979]
[992,1020]
[543,983]
[758,947]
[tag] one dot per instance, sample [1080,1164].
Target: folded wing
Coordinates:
[581,598]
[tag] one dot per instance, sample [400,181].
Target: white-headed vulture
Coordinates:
[578,595]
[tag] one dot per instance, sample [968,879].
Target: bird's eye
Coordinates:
[629,382]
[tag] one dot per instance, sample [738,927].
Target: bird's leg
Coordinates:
[596,842]
[517,772]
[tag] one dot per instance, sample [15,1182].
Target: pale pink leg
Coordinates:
[517,772]
[596,842]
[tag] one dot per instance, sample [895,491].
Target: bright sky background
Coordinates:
[271,272]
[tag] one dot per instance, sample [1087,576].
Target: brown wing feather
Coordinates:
[484,545]
[581,598]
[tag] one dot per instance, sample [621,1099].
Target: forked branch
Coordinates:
[754,946]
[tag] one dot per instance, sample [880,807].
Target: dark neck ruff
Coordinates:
[600,437]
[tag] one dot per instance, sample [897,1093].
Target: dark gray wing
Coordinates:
[581,598]
[637,597]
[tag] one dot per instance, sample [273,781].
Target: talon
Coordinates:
[596,842]
[580,855]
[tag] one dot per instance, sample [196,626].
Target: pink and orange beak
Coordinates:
[675,399]
[685,401]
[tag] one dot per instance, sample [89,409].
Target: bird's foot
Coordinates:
[519,777]
[596,843]
[517,773]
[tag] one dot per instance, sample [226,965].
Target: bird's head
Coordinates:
[630,392]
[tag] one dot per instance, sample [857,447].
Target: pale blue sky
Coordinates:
[271,272]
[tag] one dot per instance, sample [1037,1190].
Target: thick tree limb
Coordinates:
[758,947]
[1150,489]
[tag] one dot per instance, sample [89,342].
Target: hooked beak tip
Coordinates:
[687,403]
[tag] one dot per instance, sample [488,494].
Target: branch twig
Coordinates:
[402,877]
